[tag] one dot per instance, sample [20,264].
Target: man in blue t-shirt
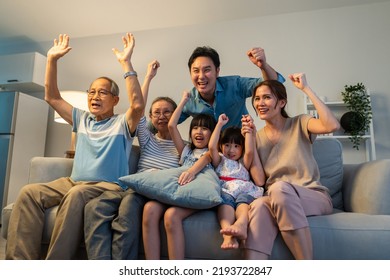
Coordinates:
[103,148]
[216,95]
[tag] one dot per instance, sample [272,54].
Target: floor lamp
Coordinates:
[77,99]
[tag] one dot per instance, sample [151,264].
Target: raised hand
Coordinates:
[299,80]
[247,120]
[60,47]
[257,56]
[128,46]
[247,125]
[223,119]
[152,69]
[185,97]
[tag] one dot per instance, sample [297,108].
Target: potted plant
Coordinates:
[357,120]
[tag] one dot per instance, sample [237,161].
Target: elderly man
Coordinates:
[102,152]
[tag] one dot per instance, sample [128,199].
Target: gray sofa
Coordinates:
[359,228]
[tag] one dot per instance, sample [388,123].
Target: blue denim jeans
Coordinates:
[112,225]
[234,202]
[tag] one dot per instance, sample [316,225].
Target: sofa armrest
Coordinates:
[366,187]
[5,213]
[46,169]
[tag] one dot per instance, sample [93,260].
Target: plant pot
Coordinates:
[352,121]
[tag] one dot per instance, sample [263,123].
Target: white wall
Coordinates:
[334,47]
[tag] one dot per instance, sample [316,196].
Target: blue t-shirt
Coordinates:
[103,147]
[230,94]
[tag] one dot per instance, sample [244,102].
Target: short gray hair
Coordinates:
[114,87]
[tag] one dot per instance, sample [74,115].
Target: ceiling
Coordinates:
[43,20]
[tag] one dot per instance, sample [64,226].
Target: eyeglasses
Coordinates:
[166,114]
[101,93]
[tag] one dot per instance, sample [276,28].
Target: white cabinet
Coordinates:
[23,72]
[351,155]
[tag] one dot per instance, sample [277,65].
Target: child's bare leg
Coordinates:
[240,227]
[226,217]
[173,221]
[151,217]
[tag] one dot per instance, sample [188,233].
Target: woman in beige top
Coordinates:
[293,189]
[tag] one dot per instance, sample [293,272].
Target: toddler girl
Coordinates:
[232,156]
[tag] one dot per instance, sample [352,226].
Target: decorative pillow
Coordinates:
[202,193]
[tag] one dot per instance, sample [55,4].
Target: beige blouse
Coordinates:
[291,159]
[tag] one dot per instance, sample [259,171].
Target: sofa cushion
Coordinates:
[366,187]
[328,153]
[350,236]
[202,193]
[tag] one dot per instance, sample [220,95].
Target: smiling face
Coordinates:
[204,76]
[232,151]
[200,136]
[266,104]
[160,115]
[201,127]
[232,143]
[101,102]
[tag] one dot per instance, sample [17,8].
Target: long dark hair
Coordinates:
[202,120]
[277,89]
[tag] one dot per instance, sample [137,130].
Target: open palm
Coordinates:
[128,46]
[60,47]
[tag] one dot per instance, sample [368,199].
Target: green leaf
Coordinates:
[357,100]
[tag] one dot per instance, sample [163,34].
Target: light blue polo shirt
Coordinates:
[103,147]
[230,94]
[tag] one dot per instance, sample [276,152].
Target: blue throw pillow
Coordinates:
[202,193]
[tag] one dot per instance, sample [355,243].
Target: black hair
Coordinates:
[206,52]
[202,120]
[277,89]
[232,134]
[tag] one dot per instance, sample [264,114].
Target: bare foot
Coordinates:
[236,230]
[229,242]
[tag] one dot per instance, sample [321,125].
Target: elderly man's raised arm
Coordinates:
[52,93]
[133,88]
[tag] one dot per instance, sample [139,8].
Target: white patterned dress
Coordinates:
[235,178]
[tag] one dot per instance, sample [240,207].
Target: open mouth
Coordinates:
[202,84]
[199,138]
[95,105]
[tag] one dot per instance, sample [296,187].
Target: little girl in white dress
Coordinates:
[232,156]
[235,178]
